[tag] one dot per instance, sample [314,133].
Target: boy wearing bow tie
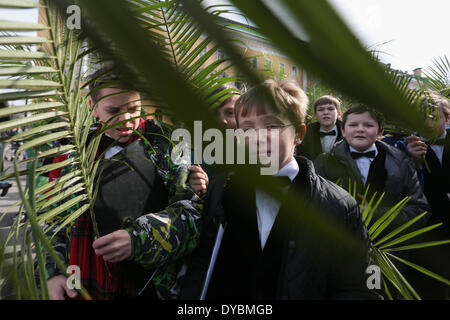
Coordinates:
[434,148]
[263,248]
[323,134]
[363,159]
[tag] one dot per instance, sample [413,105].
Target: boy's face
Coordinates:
[288,138]
[326,115]
[436,125]
[118,107]
[361,131]
[226,113]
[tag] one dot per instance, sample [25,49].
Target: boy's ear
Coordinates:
[380,133]
[300,134]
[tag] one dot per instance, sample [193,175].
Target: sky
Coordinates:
[412,32]
[408,33]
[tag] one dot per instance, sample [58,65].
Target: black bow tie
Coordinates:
[438,142]
[283,181]
[330,133]
[357,155]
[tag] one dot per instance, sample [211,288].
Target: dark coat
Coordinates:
[400,180]
[436,185]
[311,147]
[298,262]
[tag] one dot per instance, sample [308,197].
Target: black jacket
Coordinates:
[298,261]
[437,185]
[399,175]
[311,147]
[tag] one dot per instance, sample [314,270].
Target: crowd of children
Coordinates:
[213,236]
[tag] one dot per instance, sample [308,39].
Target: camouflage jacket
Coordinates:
[159,239]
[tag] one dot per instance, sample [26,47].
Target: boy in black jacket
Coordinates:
[434,147]
[272,249]
[323,134]
[363,159]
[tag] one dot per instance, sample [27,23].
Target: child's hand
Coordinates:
[114,247]
[58,289]
[198,179]
[418,150]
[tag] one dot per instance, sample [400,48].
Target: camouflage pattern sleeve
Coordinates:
[61,240]
[61,244]
[162,237]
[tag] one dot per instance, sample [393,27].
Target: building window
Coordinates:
[220,54]
[203,52]
[282,69]
[294,71]
[268,65]
[254,62]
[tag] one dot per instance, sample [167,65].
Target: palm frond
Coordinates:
[48,80]
[382,249]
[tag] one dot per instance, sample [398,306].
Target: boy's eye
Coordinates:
[113,111]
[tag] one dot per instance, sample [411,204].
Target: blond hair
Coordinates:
[289,100]
[328,100]
[439,101]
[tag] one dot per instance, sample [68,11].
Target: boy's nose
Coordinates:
[124,116]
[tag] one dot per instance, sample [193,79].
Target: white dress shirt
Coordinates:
[112,151]
[267,208]
[328,141]
[364,163]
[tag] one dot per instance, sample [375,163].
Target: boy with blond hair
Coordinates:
[267,251]
[433,147]
[323,134]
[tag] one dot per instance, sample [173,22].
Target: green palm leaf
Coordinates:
[49,80]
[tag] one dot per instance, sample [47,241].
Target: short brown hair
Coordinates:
[289,100]
[328,100]
[439,101]
[105,78]
[358,108]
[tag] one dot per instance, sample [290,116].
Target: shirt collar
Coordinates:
[290,170]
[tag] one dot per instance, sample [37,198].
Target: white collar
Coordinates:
[290,170]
